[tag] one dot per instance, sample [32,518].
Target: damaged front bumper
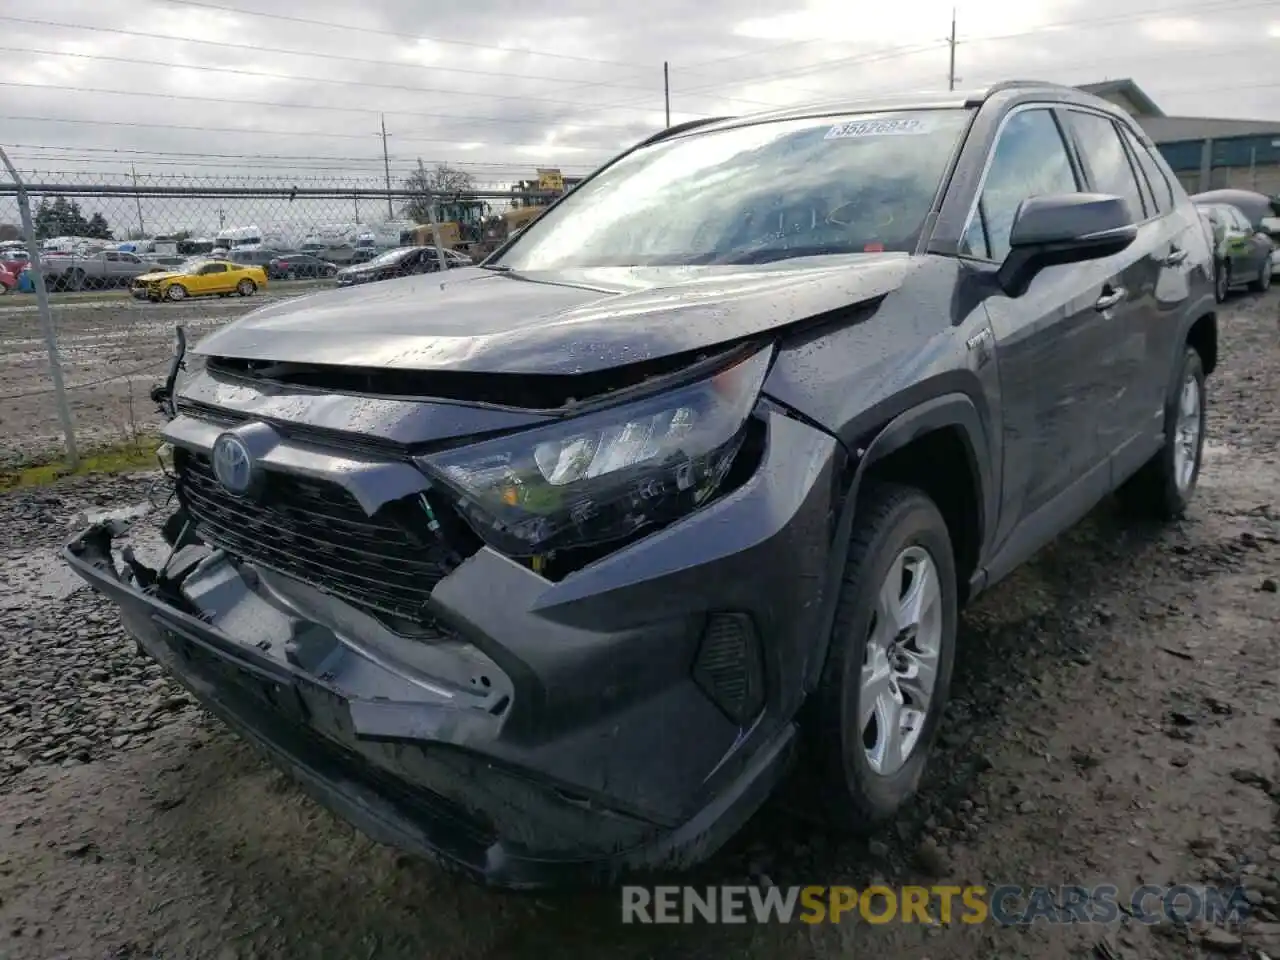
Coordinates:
[414,761]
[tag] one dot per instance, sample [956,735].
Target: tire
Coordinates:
[246,288]
[330,272]
[860,785]
[175,292]
[1221,281]
[1163,487]
[1263,283]
[290,275]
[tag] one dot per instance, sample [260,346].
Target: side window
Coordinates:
[1030,160]
[1240,220]
[111,257]
[1162,192]
[214,268]
[1106,159]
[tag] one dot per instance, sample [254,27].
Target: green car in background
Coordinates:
[1242,245]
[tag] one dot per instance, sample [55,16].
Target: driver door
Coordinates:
[1049,340]
[212,278]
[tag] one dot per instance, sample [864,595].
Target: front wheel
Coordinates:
[176,292]
[888,669]
[246,288]
[1162,489]
[1263,283]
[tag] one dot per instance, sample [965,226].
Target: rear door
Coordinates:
[1048,339]
[1128,283]
[1255,245]
[1175,259]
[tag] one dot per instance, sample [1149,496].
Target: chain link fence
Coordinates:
[79,351]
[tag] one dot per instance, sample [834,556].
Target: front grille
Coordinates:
[316,532]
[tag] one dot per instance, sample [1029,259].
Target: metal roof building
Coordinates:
[1206,153]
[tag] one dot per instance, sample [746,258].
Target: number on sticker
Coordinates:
[895,127]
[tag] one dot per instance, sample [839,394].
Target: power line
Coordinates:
[322,106]
[506,164]
[822,65]
[337,57]
[373,31]
[363,84]
[256,132]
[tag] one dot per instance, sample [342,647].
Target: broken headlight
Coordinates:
[605,475]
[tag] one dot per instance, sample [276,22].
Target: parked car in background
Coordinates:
[299,266]
[1242,252]
[14,260]
[105,268]
[257,257]
[553,568]
[8,280]
[401,262]
[200,277]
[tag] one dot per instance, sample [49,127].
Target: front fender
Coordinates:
[951,410]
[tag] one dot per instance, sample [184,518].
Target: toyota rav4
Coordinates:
[552,568]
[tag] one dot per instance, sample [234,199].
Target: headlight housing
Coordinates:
[603,476]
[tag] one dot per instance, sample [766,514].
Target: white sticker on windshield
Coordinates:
[891,127]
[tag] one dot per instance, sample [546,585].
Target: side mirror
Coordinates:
[1066,228]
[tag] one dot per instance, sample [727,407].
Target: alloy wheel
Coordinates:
[1186,448]
[900,663]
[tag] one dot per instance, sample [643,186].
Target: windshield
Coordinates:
[751,194]
[391,256]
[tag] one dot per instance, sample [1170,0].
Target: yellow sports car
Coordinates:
[199,277]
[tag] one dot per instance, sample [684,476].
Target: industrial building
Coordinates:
[1206,153]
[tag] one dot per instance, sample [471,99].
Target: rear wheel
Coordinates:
[176,292]
[246,288]
[1162,489]
[889,665]
[1263,283]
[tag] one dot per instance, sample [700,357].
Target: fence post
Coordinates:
[46,315]
[435,233]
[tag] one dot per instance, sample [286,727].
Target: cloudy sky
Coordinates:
[223,87]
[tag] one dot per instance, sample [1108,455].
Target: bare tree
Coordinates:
[442,179]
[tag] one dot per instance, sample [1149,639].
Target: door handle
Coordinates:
[1109,300]
[1175,258]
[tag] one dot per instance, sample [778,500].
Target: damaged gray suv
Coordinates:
[551,569]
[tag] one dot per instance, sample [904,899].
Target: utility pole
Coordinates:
[951,73]
[386,166]
[142,227]
[666,89]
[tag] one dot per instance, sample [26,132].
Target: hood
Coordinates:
[567,322]
[158,275]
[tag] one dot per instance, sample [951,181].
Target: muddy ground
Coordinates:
[1115,720]
[112,350]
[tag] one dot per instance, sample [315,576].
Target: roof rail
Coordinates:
[678,129]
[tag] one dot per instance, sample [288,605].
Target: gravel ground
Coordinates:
[112,350]
[1115,720]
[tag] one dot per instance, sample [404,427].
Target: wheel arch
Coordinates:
[904,449]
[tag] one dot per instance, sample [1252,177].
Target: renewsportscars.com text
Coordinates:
[1005,904]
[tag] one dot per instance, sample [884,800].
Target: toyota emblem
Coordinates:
[233,464]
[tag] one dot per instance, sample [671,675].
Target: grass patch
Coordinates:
[136,454]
